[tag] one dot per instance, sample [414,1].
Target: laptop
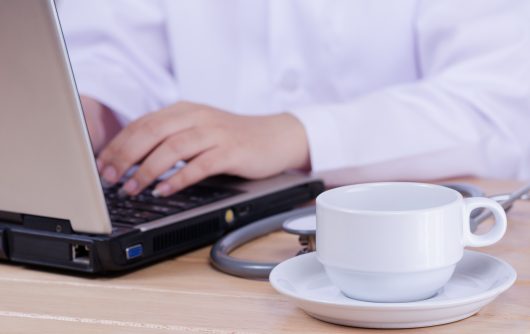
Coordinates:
[53,209]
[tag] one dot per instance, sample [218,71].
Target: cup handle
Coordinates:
[496,232]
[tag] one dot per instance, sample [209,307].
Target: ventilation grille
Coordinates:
[185,235]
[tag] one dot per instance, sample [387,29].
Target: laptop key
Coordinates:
[165,210]
[185,198]
[133,216]
[123,212]
[184,205]
[124,204]
[128,220]
[146,215]
[221,194]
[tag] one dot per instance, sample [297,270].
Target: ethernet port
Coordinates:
[81,254]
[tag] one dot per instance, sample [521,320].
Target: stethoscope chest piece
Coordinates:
[305,227]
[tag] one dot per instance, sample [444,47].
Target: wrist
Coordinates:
[296,141]
[102,124]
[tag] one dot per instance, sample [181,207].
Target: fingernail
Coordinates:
[99,165]
[130,186]
[161,190]
[110,174]
[122,193]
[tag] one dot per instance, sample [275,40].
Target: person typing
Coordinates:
[351,91]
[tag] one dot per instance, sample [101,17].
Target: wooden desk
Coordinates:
[185,294]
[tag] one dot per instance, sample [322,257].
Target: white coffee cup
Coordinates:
[397,241]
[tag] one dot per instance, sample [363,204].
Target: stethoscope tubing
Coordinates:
[505,200]
[220,252]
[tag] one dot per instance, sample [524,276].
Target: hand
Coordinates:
[101,122]
[212,141]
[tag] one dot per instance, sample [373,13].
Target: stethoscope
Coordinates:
[302,222]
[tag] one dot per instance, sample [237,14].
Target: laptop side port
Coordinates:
[244,210]
[134,251]
[80,254]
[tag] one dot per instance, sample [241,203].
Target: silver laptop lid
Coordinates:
[46,161]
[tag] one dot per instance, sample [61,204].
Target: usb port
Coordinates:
[81,254]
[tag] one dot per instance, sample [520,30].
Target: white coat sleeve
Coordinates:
[119,54]
[468,114]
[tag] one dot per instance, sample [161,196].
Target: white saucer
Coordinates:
[478,279]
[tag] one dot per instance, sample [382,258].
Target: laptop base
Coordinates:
[51,242]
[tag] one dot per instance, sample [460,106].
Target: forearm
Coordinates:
[415,132]
[102,123]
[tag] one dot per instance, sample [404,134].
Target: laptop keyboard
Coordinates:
[134,210]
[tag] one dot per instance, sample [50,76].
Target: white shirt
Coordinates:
[396,89]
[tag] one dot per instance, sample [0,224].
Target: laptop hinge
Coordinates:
[47,224]
[10,217]
[3,245]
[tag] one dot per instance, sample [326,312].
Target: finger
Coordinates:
[181,146]
[138,139]
[207,164]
